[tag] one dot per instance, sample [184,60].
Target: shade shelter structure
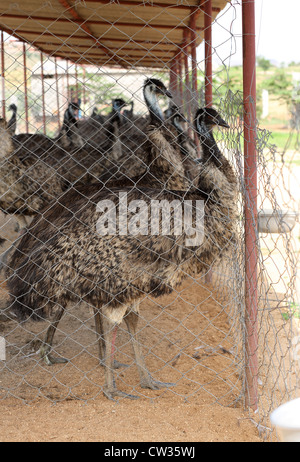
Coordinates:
[78,48]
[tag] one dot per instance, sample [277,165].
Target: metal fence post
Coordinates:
[43,93]
[250,171]
[208,52]
[25,88]
[2,75]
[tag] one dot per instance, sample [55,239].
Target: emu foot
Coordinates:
[49,359]
[114,393]
[150,382]
[116,364]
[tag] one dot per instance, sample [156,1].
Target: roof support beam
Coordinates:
[84,38]
[149,5]
[85,27]
[83,23]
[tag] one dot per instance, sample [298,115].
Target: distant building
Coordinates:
[62,86]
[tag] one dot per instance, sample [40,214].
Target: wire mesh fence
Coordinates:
[78,134]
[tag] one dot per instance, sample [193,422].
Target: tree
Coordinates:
[264,63]
[280,84]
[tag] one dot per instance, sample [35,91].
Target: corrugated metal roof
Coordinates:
[107,32]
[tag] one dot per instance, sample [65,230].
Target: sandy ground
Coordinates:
[143,421]
[192,348]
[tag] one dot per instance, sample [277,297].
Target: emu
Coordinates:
[12,123]
[165,170]
[165,164]
[69,135]
[30,180]
[63,258]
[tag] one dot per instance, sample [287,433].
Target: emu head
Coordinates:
[156,87]
[70,115]
[12,107]
[175,117]
[152,89]
[209,118]
[118,104]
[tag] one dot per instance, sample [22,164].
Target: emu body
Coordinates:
[63,258]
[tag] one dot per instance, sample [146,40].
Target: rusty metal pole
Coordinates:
[43,94]
[208,52]
[180,83]
[2,76]
[194,57]
[208,75]
[76,84]
[68,82]
[25,88]
[187,93]
[195,101]
[250,172]
[173,79]
[57,94]
[83,86]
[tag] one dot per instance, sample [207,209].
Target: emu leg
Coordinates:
[99,333]
[147,381]
[46,347]
[101,344]
[110,390]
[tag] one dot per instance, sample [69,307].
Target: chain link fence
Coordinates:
[75,130]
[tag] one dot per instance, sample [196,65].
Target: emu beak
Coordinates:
[222,123]
[169,94]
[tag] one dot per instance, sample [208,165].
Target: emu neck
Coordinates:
[209,146]
[116,149]
[212,153]
[177,125]
[153,106]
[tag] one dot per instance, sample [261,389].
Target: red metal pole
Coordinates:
[57,94]
[187,89]
[2,75]
[195,101]
[43,94]
[187,95]
[208,74]
[194,56]
[83,87]
[208,52]
[250,172]
[25,88]
[173,79]
[76,83]
[68,83]
[180,79]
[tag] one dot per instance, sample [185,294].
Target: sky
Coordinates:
[277,32]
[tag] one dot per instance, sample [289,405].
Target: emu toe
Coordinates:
[150,382]
[115,393]
[49,359]
[116,364]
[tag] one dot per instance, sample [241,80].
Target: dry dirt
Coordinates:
[188,342]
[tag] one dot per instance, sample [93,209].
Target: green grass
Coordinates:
[285,140]
[294,312]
